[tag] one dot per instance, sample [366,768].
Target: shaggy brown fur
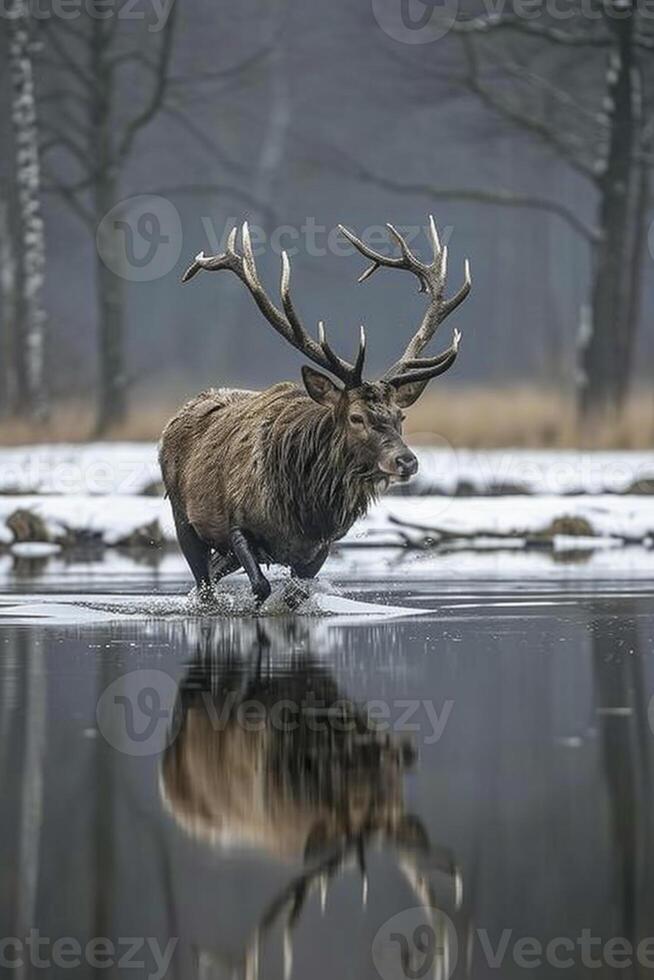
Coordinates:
[293,475]
[275,788]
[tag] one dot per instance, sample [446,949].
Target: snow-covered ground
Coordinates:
[113,520]
[533,471]
[67,495]
[117,468]
[127,469]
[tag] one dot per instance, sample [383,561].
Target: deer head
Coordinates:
[369,414]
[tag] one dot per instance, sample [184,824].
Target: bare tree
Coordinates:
[94,123]
[8,306]
[28,315]
[578,89]
[602,131]
[91,134]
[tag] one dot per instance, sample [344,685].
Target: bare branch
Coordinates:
[70,195]
[60,139]
[533,28]
[159,90]
[644,42]
[226,74]
[517,117]
[61,95]
[563,98]
[204,139]
[499,197]
[222,189]
[69,62]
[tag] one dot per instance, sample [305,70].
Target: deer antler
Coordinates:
[287,906]
[432,278]
[286,321]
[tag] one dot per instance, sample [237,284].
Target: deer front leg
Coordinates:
[243,551]
[311,568]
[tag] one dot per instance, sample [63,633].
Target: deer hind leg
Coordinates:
[243,551]
[222,565]
[193,548]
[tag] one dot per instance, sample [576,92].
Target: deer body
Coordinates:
[265,461]
[278,475]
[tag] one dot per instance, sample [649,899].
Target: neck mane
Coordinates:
[321,487]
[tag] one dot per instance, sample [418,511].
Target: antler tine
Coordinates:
[370,253]
[437,360]
[456,300]
[410,366]
[361,354]
[424,369]
[432,279]
[442,271]
[249,263]
[285,321]
[287,303]
[350,373]
[410,260]
[433,235]
[406,261]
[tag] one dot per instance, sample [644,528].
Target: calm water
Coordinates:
[185,792]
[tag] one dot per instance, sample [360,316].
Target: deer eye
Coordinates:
[356,419]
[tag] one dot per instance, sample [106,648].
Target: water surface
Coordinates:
[202,784]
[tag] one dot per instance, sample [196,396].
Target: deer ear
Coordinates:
[410,392]
[319,387]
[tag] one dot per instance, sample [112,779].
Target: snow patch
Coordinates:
[129,469]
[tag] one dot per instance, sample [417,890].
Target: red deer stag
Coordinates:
[276,476]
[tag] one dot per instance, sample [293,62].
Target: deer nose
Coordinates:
[406,463]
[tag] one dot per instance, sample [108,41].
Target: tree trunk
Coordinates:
[634,309]
[607,354]
[32,395]
[112,398]
[8,311]
[112,401]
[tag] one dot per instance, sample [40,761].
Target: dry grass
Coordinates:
[529,417]
[475,418]
[75,421]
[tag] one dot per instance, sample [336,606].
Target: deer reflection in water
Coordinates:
[270,755]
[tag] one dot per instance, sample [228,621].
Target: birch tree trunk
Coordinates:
[8,309]
[31,320]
